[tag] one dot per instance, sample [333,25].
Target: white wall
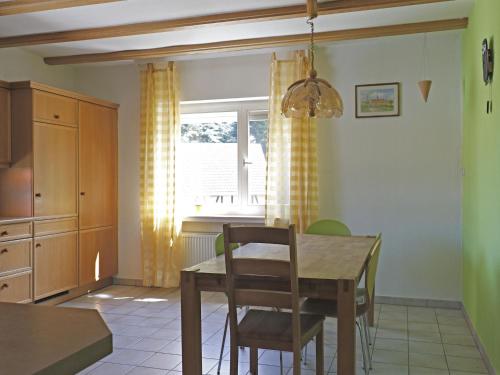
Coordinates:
[394,175]
[17,64]
[399,176]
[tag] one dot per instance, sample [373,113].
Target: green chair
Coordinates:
[219,245]
[328,228]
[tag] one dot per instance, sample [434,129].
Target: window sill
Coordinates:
[243,219]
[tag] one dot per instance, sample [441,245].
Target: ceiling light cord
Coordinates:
[311,47]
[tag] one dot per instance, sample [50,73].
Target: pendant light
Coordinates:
[425,84]
[313,96]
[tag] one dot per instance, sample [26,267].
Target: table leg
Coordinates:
[346,327]
[191,324]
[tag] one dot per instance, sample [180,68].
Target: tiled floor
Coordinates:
[146,330]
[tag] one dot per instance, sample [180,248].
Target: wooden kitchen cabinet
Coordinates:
[98,254]
[63,178]
[55,264]
[97,166]
[55,159]
[5,126]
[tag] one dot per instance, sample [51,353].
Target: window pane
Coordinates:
[209,159]
[257,147]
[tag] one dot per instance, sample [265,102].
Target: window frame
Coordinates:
[243,107]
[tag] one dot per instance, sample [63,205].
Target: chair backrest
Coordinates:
[219,245]
[371,269]
[328,228]
[257,269]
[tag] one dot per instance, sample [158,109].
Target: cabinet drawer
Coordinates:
[15,231]
[16,288]
[55,109]
[15,255]
[46,227]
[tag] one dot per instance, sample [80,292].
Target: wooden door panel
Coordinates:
[55,170]
[97,167]
[56,264]
[5,138]
[98,255]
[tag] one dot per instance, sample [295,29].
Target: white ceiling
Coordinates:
[133,11]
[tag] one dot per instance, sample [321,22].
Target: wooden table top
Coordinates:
[318,257]
[50,340]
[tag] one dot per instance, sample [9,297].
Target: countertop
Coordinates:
[47,340]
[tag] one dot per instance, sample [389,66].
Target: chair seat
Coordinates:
[271,326]
[330,308]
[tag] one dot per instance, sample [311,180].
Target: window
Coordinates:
[222,157]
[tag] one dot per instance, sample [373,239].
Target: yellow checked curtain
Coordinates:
[292,175]
[160,124]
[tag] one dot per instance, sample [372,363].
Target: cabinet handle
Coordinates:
[38,245]
[4,286]
[56,116]
[38,195]
[4,251]
[4,233]
[82,193]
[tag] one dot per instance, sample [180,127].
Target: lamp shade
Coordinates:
[312,97]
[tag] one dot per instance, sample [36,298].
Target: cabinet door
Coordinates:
[98,255]
[55,170]
[56,264]
[5,138]
[97,167]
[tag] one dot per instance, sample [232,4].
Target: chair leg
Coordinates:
[369,349]
[281,362]
[223,343]
[365,318]
[254,364]
[320,355]
[233,365]
[305,354]
[363,348]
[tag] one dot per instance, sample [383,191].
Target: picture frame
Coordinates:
[377,100]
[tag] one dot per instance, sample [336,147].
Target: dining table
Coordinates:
[329,267]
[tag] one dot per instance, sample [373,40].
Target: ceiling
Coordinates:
[135,11]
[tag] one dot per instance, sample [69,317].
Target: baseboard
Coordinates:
[127,282]
[419,302]
[479,344]
[77,292]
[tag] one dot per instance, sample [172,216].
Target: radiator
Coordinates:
[198,247]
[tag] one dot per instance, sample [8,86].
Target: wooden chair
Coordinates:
[329,308]
[263,329]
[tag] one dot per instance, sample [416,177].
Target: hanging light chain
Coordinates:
[311,47]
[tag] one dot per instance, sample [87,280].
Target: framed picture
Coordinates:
[377,100]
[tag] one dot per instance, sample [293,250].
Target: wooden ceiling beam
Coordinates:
[296,11]
[258,43]
[8,8]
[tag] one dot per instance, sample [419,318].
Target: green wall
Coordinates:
[481,184]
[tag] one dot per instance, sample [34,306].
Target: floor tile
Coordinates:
[127,357]
[462,351]
[390,344]
[426,347]
[388,356]
[427,371]
[147,371]
[148,344]
[428,360]
[458,339]
[466,364]
[111,369]
[163,361]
